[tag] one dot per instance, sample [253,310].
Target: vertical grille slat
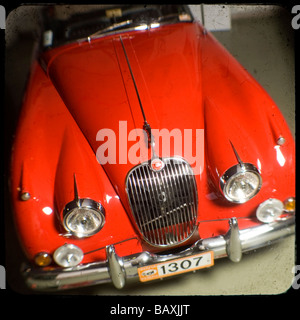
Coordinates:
[163,203]
[145,207]
[154,223]
[189,188]
[180,215]
[168,208]
[154,207]
[182,188]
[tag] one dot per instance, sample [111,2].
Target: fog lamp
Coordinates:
[290,205]
[269,210]
[42,259]
[68,255]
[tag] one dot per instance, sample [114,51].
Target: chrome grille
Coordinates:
[163,203]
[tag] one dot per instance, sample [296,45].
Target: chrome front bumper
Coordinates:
[117,269]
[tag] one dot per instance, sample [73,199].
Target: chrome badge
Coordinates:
[157,164]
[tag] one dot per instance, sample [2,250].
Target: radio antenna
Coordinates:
[146,125]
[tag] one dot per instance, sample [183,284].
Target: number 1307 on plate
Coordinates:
[177,266]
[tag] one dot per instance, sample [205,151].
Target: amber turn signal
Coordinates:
[290,204]
[43,259]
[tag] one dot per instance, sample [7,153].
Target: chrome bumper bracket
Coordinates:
[115,267]
[233,241]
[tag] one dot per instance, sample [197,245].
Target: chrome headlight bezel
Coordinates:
[234,172]
[87,204]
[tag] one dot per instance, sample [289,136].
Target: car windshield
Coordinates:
[114,19]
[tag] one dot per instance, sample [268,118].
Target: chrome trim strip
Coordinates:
[117,269]
[110,28]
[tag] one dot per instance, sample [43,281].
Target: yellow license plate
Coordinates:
[177,266]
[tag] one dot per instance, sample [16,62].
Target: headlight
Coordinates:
[241,182]
[68,255]
[269,210]
[83,217]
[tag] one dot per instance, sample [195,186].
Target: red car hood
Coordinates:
[185,80]
[95,82]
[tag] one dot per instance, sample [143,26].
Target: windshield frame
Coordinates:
[115,19]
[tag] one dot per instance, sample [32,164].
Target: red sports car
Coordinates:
[144,150]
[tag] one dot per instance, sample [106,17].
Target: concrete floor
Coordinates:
[262,40]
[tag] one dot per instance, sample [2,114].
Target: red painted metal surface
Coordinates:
[186,80]
[49,148]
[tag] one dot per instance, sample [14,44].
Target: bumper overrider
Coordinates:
[118,269]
